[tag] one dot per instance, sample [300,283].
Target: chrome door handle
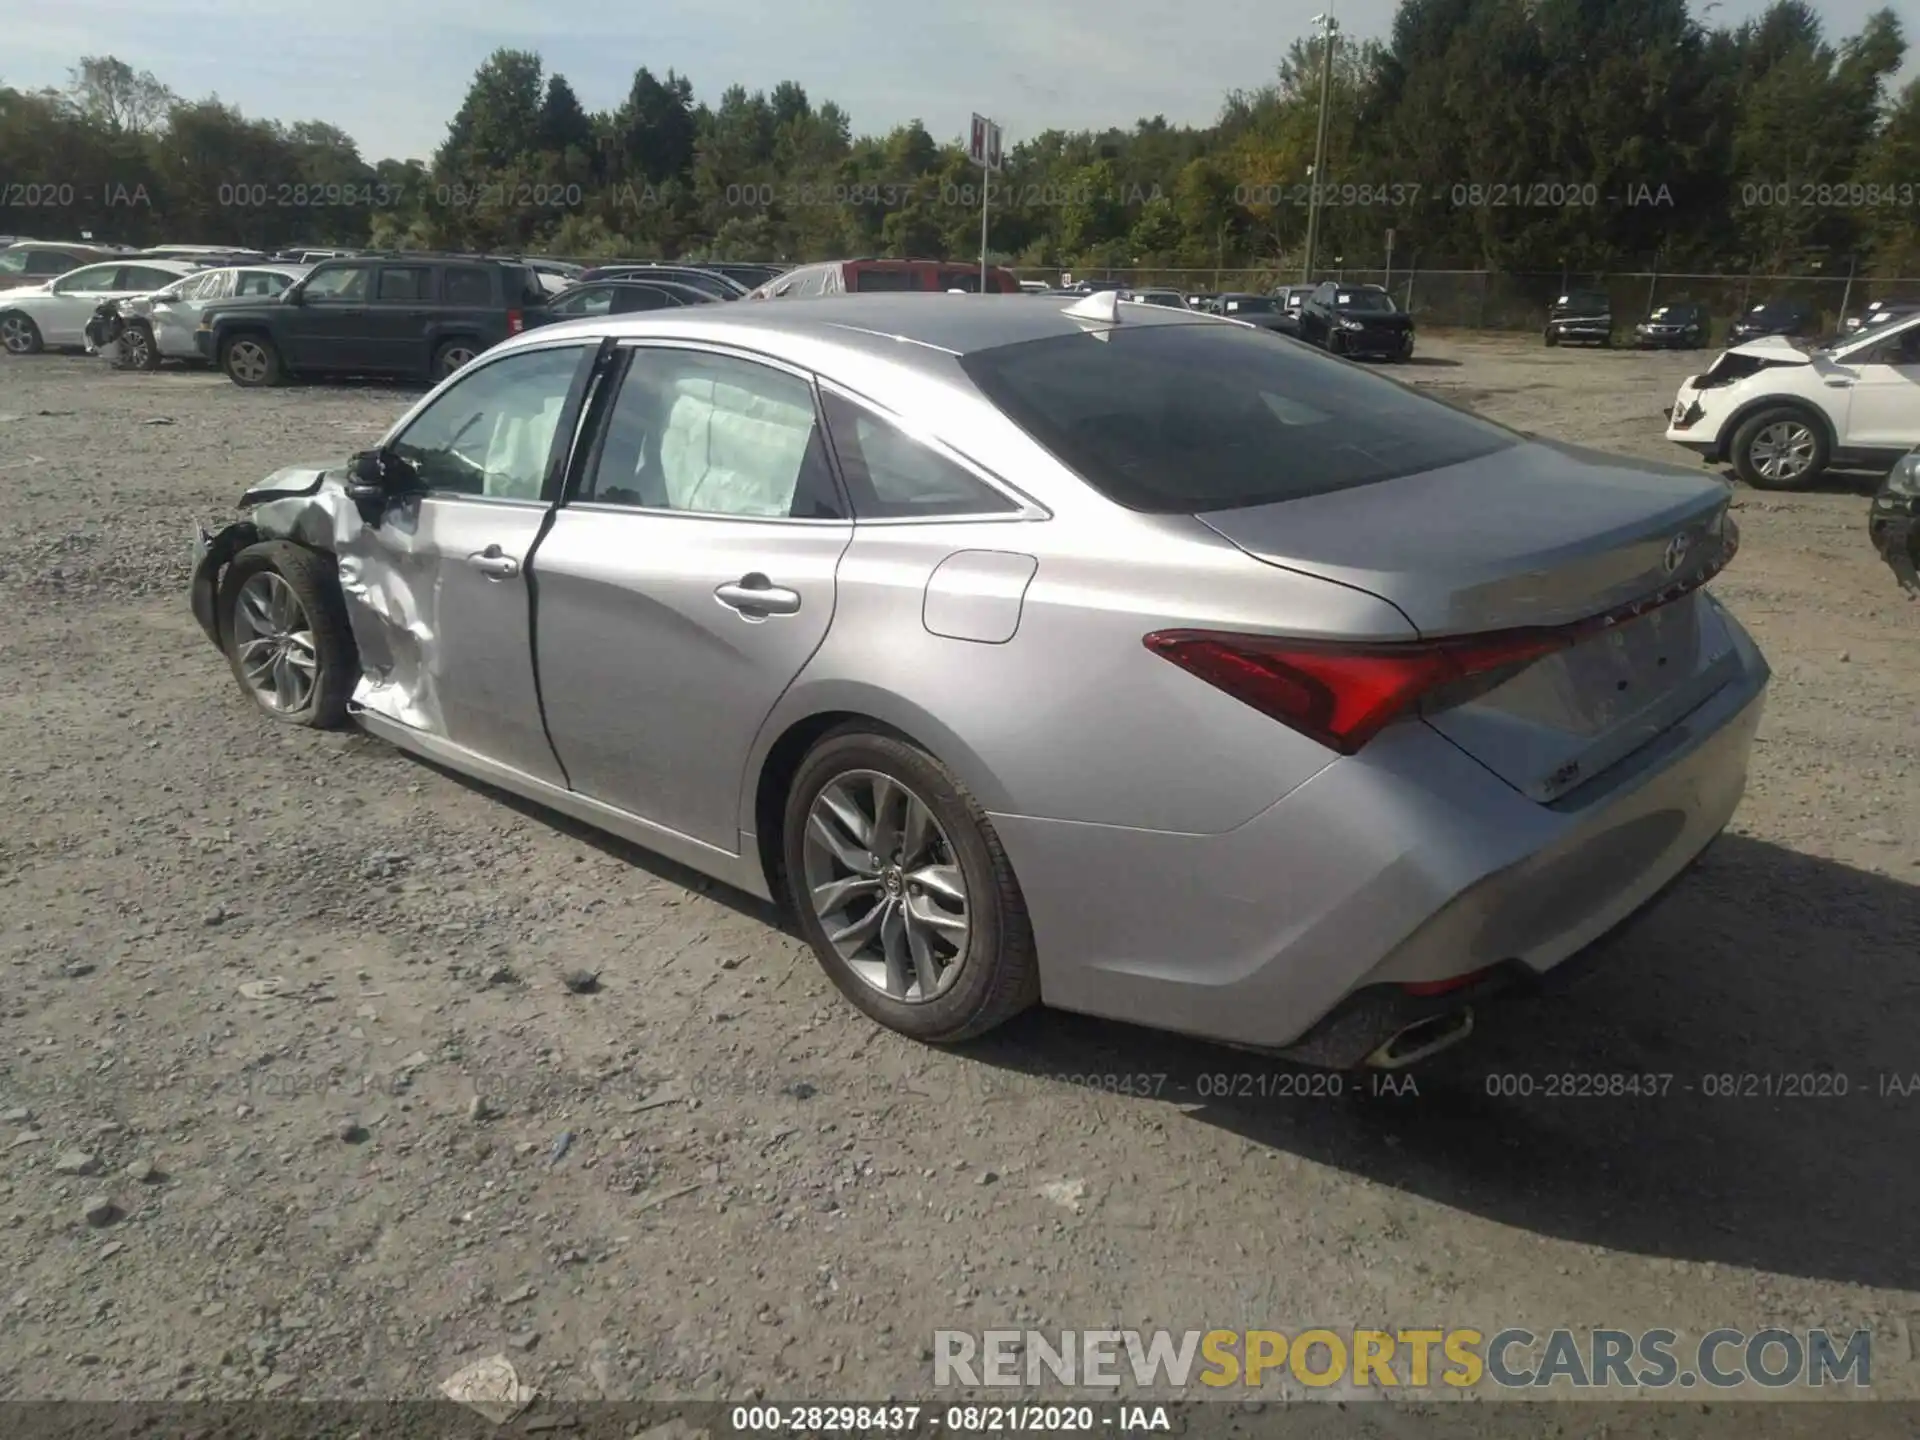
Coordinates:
[492,562]
[757,597]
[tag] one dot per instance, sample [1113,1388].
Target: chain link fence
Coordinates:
[1494,300]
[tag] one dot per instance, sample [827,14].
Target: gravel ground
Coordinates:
[296,1101]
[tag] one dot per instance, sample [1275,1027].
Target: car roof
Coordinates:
[915,329]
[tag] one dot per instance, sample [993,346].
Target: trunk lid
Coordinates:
[1533,535]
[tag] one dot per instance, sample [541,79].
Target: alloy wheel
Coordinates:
[134,343]
[884,883]
[457,357]
[1783,450]
[247,361]
[16,333]
[273,641]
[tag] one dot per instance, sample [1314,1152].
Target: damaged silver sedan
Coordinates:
[1135,660]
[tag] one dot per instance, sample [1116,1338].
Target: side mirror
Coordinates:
[375,478]
[294,295]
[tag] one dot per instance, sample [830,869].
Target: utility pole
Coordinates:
[1329,28]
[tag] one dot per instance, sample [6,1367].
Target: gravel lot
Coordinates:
[711,1177]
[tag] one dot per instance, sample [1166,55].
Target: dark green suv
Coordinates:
[410,316]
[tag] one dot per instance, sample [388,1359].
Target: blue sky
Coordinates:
[391,72]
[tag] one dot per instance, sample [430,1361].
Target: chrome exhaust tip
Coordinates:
[1422,1039]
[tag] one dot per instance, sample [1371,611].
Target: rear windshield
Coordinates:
[1184,418]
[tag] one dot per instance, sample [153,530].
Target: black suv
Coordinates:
[1355,320]
[1583,315]
[412,316]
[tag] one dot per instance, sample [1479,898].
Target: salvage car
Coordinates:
[1894,522]
[618,297]
[1781,316]
[1262,311]
[1581,317]
[55,315]
[1066,651]
[1782,412]
[162,325]
[28,263]
[413,315]
[1355,320]
[1682,325]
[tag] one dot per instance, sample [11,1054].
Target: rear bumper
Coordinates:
[1407,865]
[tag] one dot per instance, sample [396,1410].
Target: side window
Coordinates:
[49,262]
[596,301]
[466,285]
[628,298]
[138,277]
[261,282]
[94,278]
[892,476]
[345,284]
[401,284]
[710,434]
[492,432]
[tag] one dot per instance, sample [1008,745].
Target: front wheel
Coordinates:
[138,350]
[250,360]
[1780,449]
[19,334]
[902,888]
[1552,339]
[288,640]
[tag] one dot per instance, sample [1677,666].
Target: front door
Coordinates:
[1884,413]
[443,594]
[685,582]
[327,330]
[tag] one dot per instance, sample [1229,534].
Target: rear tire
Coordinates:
[883,961]
[284,623]
[251,361]
[19,335]
[1780,448]
[453,356]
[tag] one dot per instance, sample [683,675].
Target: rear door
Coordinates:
[395,340]
[76,295]
[685,582]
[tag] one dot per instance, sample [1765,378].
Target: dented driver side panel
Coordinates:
[441,624]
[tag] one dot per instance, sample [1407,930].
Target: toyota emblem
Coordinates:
[1677,549]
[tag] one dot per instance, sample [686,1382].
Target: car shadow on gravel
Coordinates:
[659,866]
[1769,1007]
[1835,482]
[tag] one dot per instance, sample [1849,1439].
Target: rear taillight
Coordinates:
[1339,694]
[516,322]
[1344,694]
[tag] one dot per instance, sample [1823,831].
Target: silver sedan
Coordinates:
[1140,662]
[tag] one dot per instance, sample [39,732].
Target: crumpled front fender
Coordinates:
[211,555]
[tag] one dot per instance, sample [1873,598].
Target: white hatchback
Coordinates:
[1781,413]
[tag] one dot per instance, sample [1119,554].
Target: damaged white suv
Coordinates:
[1781,413]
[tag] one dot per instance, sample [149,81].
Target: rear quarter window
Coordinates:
[1186,418]
[465,285]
